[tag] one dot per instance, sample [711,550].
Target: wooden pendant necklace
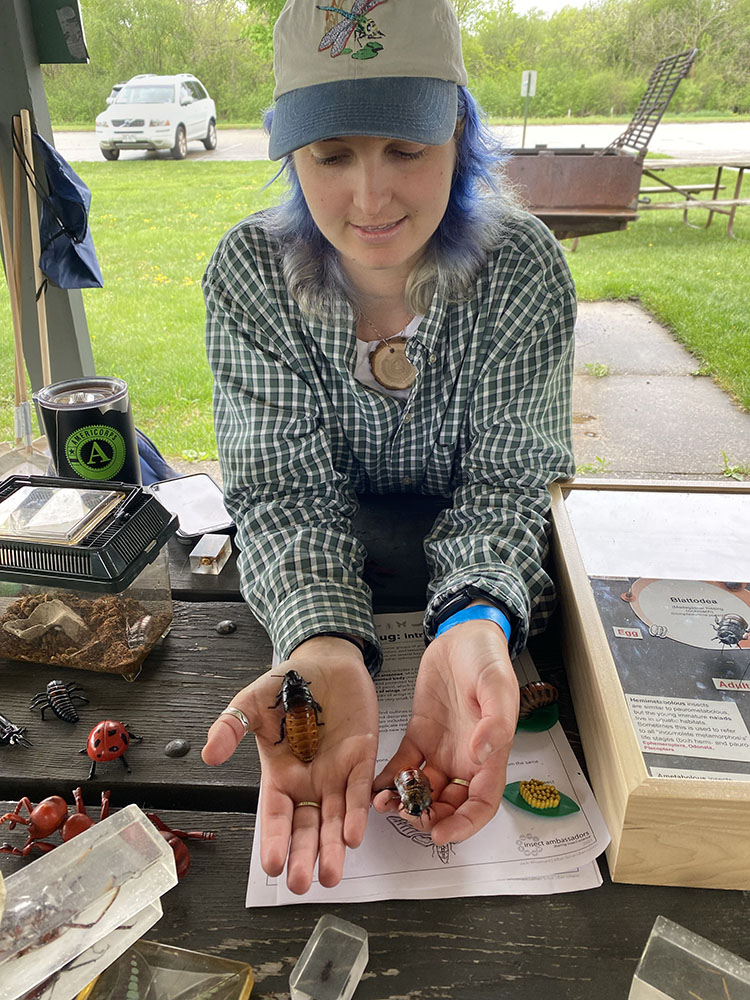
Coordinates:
[388,362]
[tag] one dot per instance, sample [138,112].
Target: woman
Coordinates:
[390,328]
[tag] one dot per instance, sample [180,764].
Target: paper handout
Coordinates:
[518,852]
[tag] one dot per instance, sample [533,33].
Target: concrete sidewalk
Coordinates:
[650,416]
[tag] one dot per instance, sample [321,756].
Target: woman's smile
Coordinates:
[381,233]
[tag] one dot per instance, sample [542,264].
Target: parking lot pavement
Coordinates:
[709,140]
[233,144]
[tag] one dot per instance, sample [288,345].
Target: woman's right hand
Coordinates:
[339,778]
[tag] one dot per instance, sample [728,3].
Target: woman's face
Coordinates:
[378,201]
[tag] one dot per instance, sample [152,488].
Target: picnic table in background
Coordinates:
[687,190]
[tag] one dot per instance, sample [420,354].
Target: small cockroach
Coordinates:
[534,695]
[300,721]
[59,697]
[414,790]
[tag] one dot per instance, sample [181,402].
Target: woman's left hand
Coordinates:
[462,726]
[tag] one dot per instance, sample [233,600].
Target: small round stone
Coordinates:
[177,748]
[226,627]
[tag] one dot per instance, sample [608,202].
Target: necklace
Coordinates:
[388,362]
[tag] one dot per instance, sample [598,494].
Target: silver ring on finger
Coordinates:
[239,715]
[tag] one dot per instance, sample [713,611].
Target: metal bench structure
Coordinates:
[579,192]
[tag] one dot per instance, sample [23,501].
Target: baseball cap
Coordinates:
[365,67]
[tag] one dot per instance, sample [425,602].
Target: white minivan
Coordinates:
[158,112]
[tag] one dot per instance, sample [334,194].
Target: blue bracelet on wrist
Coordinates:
[485,611]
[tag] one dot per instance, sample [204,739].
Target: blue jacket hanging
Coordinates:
[68,258]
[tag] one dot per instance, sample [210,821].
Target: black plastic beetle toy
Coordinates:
[300,721]
[109,740]
[59,697]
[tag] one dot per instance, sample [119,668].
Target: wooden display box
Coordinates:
[691,828]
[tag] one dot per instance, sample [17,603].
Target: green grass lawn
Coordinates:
[694,280]
[155,224]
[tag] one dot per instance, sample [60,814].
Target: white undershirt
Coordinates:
[362,370]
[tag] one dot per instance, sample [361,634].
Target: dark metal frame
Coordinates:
[662,84]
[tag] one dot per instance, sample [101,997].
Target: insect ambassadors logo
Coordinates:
[96,452]
[531,845]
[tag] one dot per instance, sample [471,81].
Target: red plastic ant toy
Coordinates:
[50,815]
[176,838]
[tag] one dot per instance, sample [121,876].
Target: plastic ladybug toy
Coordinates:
[109,740]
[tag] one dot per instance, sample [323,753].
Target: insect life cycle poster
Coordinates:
[682,653]
[518,852]
[670,573]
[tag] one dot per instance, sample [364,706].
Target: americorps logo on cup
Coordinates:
[96,451]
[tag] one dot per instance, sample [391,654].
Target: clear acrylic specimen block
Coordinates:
[60,905]
[332,962]
[159,970]
[210,554]
[677,964]
[75,976]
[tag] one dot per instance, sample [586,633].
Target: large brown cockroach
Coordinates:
[414,790]
[300,721]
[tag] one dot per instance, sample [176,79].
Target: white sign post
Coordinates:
[528,89]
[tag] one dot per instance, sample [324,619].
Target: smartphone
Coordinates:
[198,503]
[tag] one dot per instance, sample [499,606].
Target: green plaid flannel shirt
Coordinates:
[488,423]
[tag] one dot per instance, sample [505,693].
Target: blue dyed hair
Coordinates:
[458,245]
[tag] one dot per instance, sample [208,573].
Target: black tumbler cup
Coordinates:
[90,430]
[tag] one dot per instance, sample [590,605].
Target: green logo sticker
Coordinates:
[96,452]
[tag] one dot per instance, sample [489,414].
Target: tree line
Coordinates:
[594,60]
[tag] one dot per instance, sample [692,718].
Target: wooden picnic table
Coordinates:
[574,946]
[713,205]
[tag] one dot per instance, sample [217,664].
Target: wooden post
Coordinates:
[36,252]
[23,87]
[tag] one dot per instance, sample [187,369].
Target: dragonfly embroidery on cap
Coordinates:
[355,22]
